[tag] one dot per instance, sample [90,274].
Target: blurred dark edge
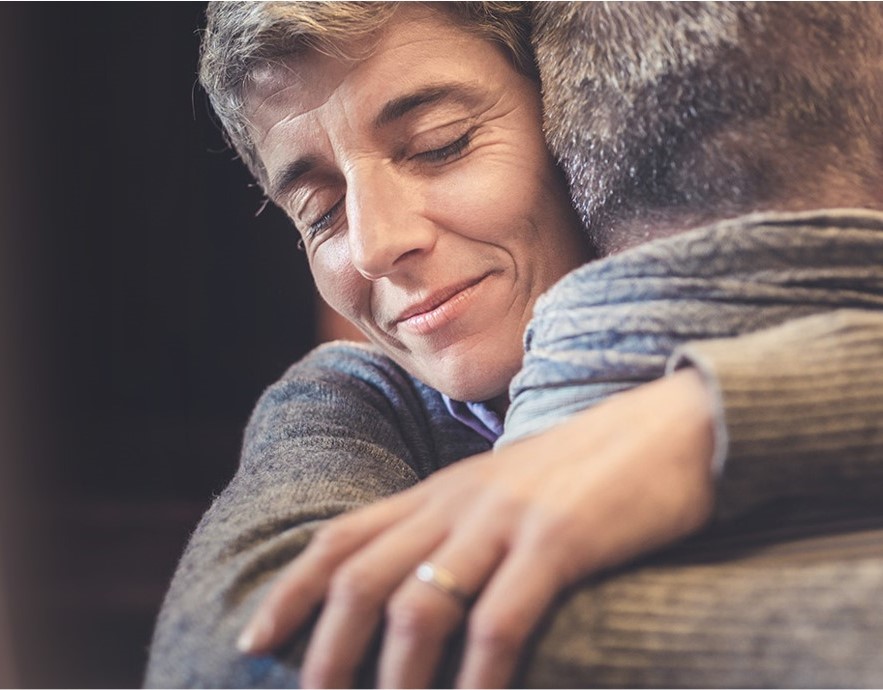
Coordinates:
[11,355]
[143,309]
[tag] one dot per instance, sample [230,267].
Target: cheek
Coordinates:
[340,285]
[494,197]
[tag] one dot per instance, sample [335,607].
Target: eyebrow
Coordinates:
[287,176]
[393,110]
[397,108]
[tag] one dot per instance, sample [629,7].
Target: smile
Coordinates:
[440,309]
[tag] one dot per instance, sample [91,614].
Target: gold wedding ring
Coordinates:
[442,580]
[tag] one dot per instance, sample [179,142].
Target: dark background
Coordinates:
[143,308]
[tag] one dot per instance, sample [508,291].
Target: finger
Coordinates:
[358,593]
[301,586]
[509,608]
[421,617]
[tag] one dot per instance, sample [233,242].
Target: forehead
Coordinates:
[416,46]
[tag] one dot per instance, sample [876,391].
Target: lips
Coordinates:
[439,308]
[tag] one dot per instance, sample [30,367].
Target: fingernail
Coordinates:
[256,635]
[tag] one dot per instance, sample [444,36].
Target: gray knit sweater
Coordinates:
[787,591]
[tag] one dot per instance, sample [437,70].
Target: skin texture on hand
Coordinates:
[514,528]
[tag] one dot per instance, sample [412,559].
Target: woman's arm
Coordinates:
[799,410]
[515,527]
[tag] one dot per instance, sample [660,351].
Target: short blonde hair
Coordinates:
[243,36]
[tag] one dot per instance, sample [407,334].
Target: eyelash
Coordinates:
[314,229]
[452,150]
[440,155]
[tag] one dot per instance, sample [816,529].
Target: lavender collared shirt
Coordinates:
[477,416]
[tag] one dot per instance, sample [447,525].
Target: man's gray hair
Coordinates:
[708,108]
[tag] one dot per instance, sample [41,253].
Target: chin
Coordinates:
[476,381]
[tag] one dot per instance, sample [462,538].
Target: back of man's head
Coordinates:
[669,115]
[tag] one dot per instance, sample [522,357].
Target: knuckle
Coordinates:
[496,632]
[505,499]
[547,527]
[411,617]
[332,540]
[352,585]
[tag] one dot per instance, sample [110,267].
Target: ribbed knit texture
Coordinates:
[802,409]
[787,602]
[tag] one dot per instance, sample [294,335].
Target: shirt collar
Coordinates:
[477,416]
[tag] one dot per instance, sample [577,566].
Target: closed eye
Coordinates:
[445,153]
[325,220]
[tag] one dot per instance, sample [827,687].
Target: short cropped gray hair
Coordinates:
[711,109]
[243,36]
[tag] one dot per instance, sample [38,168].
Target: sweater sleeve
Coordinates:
[342,429]
[800,409]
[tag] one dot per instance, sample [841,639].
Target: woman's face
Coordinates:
[431,211]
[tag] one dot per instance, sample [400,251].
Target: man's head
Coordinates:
[669,115]
[409,153]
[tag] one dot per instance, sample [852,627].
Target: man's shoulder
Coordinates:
[352,389]
[356,369]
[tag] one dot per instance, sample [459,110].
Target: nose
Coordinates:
[386,224]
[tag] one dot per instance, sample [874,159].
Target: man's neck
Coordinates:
[626,233]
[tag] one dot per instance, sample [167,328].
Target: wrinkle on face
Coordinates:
[275,86]
[414,226]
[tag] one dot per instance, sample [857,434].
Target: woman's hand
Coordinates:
[512,529]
